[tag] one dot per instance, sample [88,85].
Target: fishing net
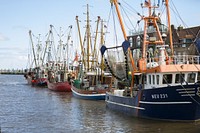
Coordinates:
[117,61]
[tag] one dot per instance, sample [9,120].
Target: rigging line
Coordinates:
[123,12]
[182,20]
[65,32]
[128,19]
[189,30]
[165,79]
[162,10]
[197,35]
[134,27]
[58,34]
[115,31]
[109,16]
[175,16]
[194,41]
[114,23]
[177,13]
[132,8]
[53,47]
[138,33]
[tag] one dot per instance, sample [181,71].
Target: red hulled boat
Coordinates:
[59,86]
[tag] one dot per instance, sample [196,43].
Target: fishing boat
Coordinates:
[59,79]
[37,75]
[59,84]
[156,85]
[59,73]
[36,78]
[92,80]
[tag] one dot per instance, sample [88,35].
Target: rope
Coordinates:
[177,13]
[174,9]
[128,19]
[108,22]
[131,8]
[115,33]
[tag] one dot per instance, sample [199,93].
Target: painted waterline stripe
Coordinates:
[125,105]
[165,102]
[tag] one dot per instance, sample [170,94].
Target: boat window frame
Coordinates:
[182,78]
[158,79]
[189,77]
[153,79]
[198,77]
[166,80]
[149,79]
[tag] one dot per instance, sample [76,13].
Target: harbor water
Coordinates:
[27,109]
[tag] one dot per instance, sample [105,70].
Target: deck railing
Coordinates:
[186,59]
[177,59]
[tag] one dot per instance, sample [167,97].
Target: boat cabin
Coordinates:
[155,80]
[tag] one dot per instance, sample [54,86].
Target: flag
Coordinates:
[76,57]
[75,61]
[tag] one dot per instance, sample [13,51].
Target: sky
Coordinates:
[17,17]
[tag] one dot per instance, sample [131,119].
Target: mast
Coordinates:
[80,39]
[34,56]
[88,38]
[95,40]
[169,27]
[102,42]
[38,50]
[47,44]
[119,17]
[129,53]
[150,21]
[60,46]
[67,55]
[51,41]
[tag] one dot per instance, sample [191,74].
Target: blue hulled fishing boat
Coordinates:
[156,83]
[92,81]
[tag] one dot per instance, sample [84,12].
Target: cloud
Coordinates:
[7,52]
[3,38]
[13,58]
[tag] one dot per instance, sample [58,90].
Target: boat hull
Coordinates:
[169,103]
[97,94]
[39,82]
[60,86]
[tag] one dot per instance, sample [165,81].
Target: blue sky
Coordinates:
[17,17]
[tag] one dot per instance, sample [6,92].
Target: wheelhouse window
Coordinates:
[144,79]
[191,77]
[180,78]
[167,78]
[158,79]
[153,79]
[149,79]
[198,77]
